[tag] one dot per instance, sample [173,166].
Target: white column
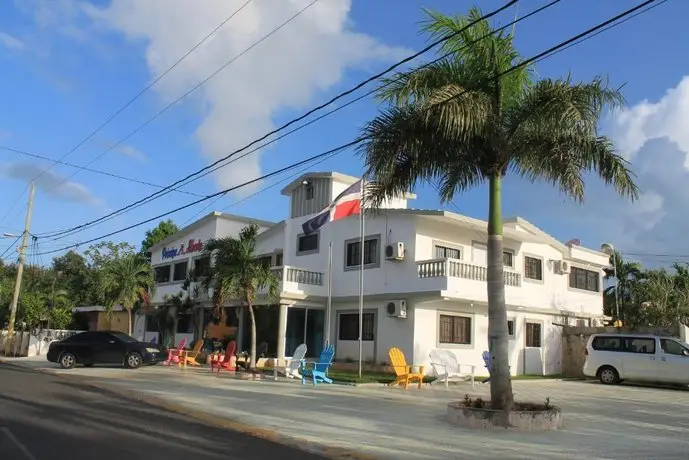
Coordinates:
[282,333]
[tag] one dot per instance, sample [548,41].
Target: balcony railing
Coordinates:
[298,275]
[436,268]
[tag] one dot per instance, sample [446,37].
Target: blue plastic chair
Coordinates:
[486,362]
[318,371]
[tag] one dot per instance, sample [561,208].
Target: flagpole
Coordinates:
[361,279]
[328,307]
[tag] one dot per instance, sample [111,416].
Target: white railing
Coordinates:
[299,275]
[437,268]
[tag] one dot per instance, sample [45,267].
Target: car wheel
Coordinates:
[608,375]
[132,361]
[67,361]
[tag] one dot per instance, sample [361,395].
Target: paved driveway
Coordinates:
[602,422]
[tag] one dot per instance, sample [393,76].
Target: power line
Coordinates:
[124,107]
[195,87]
[539,56]
[149,198]
[200,200]
[2,256]
[96,171]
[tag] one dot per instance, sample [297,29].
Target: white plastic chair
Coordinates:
[446,367]
[291,369]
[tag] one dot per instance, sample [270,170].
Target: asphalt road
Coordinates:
[44,417]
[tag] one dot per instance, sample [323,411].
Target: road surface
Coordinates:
[44,417]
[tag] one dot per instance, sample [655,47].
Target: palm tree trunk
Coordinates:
[252,324]
[130,312]
[498,341]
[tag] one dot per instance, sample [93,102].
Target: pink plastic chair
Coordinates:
[174,354]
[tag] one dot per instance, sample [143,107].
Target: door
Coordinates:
[108,349]
[314,331]
[673,363]
[533,348]
[296,325]
[640,360]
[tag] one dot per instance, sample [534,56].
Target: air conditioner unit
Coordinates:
[395,251]
[397,308]
[562,267]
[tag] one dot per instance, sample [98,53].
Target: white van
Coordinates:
[642,357]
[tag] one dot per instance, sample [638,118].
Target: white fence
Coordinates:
[35,343]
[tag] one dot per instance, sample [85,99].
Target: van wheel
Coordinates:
[608,375]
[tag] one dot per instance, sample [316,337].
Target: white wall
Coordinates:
[545,360]
[389,332]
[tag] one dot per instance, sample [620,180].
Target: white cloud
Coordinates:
[286,71]
[51,183]
[11,42]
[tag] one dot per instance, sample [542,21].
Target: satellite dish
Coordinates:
[573,242]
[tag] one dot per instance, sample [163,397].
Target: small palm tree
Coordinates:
[127,281]
[629,274]
[457,124]
[236,274]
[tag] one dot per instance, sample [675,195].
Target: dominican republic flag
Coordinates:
[347,203]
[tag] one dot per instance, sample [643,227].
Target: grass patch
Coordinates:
[341,376]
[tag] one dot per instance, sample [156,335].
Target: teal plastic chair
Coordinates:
[318,371]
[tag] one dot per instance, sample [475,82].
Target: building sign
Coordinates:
[191,247]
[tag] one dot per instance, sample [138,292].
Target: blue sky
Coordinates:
[68,65]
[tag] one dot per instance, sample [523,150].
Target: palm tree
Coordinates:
[457,125]
[236,274]
[127,281]
[629,274]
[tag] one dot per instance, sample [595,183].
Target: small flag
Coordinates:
[347,203]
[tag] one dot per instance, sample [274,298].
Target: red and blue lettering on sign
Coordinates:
[191,246]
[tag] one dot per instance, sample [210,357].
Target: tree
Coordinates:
[127,281]
[72,273]
[164,229]
[626,288]
[236,274]
[458,123]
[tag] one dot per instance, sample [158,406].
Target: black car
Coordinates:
[103,347]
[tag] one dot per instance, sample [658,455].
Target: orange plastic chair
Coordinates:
[404,373]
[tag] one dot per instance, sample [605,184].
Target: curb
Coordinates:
[332,453]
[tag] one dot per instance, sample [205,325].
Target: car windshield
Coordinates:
[124,337]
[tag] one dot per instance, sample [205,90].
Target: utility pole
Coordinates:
[20,270]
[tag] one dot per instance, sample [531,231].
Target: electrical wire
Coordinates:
[96,171]
[126,105]
[194,88]
[2,256]
[200,200]
[539,56]
[150,197]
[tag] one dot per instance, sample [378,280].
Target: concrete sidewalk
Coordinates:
[389,423]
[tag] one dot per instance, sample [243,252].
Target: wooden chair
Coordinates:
[404,373]
[446,367]
[318,371]
[174,353]
[189,356]
[218,361]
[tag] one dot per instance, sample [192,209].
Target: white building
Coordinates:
[425,281]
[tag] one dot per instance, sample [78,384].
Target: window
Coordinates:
[455,330]
[508,259]
[349,326]
[647,346]
[121,336]
[672,347]
[278,259]
[266,261]
[83,337]
[180,271]
[151,324]
[588,280]
[309,192]
[353,252]
[510,327]
[533,335]
[608,344]
[185,324]
[533,268]
[202,266]
[163,274]
[307,244]
[445,252]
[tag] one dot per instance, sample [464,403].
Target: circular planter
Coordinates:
[524,417]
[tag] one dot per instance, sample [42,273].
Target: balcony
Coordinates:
[299,281]
[457,279]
